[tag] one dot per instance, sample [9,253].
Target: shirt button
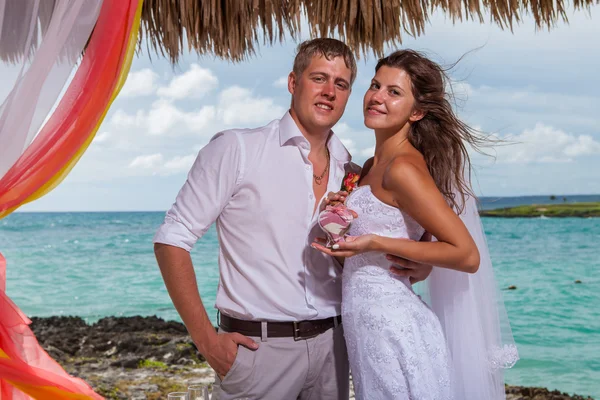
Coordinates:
[307,167]
[311,196]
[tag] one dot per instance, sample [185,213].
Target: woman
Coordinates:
[399,348]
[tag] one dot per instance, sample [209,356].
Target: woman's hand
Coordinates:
[352,246]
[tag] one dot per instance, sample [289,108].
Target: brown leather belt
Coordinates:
[298,330]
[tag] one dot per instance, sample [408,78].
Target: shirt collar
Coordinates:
[290,133]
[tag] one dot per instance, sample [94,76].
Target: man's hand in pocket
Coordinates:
[221,352]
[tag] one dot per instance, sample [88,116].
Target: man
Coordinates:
[280,333]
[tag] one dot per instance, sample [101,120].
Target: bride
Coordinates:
[400,347]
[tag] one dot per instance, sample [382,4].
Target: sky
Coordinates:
[538,90]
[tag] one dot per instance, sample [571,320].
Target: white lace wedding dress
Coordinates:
[396,345]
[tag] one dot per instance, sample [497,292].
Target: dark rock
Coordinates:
[132,362]
[107,355]
[139,324]
[55,353]
[62,333]
[577,281]
[537,393]
[52,323]
[511,287]
[118,341]
[185,361]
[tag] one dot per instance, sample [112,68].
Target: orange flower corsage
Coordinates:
[350,182]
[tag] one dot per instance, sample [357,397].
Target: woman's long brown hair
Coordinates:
[440,135]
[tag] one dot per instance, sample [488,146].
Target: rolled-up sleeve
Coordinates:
[210,184]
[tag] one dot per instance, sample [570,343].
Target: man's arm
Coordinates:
[177,270]
[211,183]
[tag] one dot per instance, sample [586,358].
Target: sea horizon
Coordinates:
[486,203]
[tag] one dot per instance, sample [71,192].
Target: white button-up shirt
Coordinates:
[257,185]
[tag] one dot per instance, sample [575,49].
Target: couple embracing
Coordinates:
[294,315]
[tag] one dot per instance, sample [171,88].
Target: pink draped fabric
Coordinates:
[24,353]
[24,366]
[40,46]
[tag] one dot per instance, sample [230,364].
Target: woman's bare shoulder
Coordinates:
[404,171]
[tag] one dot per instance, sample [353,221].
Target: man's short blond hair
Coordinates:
[328,48]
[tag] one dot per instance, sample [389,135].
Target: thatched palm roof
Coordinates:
[231,29]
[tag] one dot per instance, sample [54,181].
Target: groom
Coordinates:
[280,331]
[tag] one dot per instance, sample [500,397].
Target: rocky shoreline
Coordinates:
[565,210]
[147,357]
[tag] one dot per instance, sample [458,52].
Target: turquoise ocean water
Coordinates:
[100,264]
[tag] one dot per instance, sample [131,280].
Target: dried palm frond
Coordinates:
[231,29]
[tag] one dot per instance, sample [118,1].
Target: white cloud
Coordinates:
[238,106]
[155,164]
[195,83]
[162,117]
[281,82]
[346,136]
[180,163]
[165,118]
[584,145]
[358,142]
[461,93]
[349,144]
[102,137]
[341,129]
[527,100]
[545,144]
[123,120]
[147,162]
[198,121]
[140,83]
[368,152]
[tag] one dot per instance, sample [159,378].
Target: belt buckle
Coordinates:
[296,332]
[297,335]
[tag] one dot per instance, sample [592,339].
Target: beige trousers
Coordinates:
[282,369]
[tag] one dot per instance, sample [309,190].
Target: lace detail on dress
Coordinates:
[364,202]
[396,346]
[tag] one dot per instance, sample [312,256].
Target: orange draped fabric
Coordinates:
[71,128]
[26,370]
